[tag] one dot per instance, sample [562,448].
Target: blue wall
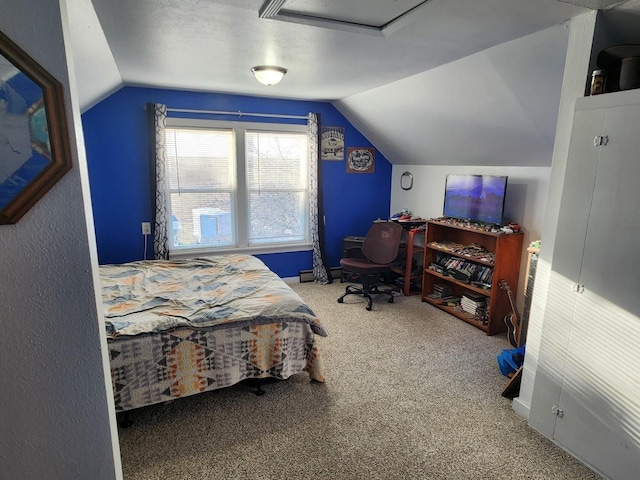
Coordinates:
[116,132]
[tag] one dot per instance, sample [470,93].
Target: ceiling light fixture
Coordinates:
[268,75]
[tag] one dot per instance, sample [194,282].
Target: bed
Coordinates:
[180,327]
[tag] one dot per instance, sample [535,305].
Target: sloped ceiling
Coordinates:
[496,107]
[427,63]
[97,74]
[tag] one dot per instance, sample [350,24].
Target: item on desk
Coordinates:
[402,213]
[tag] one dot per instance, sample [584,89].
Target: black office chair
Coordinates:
[380,249]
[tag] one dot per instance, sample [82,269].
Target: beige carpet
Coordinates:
[411,393]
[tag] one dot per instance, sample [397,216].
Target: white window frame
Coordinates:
[242,193]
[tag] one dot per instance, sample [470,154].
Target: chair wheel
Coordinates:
[369,307]
[390,299]
[340,300]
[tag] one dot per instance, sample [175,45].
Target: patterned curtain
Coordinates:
[158,117]
[315,202]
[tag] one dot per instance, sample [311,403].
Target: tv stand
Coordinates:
[493,254]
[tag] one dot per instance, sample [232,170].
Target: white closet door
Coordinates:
[577,194]
[600,394]
[611,264]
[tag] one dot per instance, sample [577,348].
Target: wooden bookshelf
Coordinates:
[502,259]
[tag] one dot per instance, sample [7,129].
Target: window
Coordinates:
[236,186]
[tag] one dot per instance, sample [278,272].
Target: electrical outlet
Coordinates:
[146,228]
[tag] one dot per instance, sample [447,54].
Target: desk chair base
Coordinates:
[366,293]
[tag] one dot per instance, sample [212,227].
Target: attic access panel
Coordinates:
[379,17]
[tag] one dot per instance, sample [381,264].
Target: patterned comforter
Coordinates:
[152,296]
[177,328]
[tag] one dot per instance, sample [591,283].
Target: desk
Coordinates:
[413,243]
[412,274]
[352,247]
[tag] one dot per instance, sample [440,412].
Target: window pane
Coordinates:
[276,171]
[199,159]
[202,219]
[277,217]
[276,161]
[200,174]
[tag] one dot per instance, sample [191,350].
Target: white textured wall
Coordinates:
[55,416]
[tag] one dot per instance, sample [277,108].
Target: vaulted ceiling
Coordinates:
[383,64]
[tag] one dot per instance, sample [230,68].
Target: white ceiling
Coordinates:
[357,47]
[211,45]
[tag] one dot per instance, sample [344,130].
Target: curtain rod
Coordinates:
[238,113]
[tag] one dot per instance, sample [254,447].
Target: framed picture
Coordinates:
[361,160]
[332,143]
[34,141]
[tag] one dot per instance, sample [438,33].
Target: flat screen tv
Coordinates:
[477,198]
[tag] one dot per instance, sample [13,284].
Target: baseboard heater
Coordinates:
[307,275]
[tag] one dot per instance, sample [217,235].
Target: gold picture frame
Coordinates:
[34,140]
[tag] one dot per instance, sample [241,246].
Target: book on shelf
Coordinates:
[475,297]
[446,264]
[473,303]
[441,290]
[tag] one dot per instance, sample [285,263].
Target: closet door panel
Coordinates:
[600,396]
[577,193]
[600,399]
[611,261]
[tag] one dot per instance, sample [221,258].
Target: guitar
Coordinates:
[511,320]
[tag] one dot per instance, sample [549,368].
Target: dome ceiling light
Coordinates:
[268,75]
